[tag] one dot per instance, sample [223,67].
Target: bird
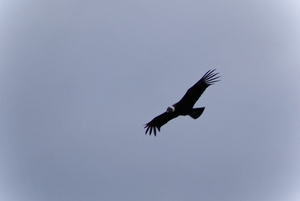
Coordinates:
[185,105]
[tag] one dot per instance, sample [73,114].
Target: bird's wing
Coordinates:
[194,93]
[159,121]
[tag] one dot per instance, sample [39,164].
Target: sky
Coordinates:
[78,82]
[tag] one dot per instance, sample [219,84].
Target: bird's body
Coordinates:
[185,105]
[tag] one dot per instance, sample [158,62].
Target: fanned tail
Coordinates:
[196,112]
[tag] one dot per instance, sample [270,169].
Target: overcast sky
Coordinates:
[78,80]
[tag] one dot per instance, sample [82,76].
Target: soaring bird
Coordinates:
[185,105]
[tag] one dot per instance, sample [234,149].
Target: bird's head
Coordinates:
[171,109]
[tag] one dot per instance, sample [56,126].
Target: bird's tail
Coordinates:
[196,112]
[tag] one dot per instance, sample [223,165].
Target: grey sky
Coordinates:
[78,82]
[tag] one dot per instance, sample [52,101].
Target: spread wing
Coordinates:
[159,121]
[194,93]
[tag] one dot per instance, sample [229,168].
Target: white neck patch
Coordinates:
[171,109]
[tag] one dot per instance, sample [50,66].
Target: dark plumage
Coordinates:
[185,105]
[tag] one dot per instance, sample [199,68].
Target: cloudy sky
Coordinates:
[78,80]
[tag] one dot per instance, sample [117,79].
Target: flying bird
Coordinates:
[185,105]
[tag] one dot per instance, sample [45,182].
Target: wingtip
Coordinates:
[210,77]
[151,129]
